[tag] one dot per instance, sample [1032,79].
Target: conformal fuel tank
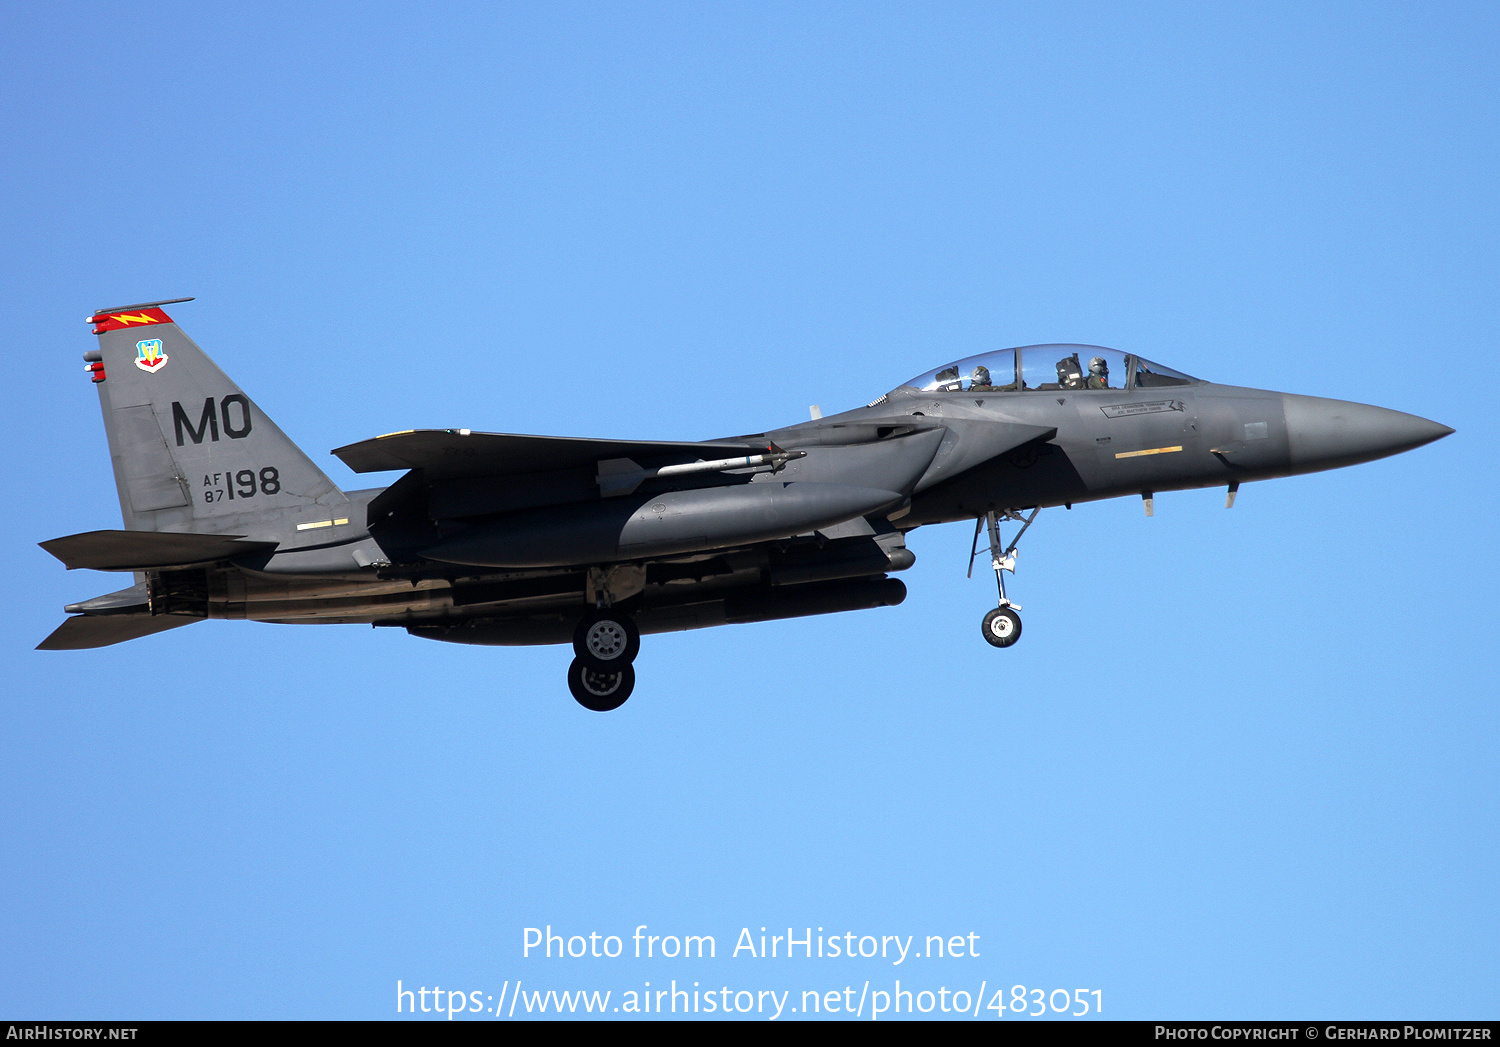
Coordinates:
[666,524]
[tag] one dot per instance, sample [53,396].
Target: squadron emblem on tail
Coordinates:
[148,355]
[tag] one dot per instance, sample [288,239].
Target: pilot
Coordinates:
[979,381]
[1098,373]
[1069,374]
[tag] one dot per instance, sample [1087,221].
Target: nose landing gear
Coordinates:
[1002,626]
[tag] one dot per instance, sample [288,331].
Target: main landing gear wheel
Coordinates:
[600,691]
[606,640]
[1002,627]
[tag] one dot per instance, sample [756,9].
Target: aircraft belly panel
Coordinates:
[361,607]
[734,608]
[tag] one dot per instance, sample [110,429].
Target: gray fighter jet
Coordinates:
[493,538]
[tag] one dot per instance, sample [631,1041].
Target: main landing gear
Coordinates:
[600,691]
[1002,626]
[602,676]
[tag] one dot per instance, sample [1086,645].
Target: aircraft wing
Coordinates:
[452,453]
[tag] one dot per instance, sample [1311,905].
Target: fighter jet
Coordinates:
[501,539]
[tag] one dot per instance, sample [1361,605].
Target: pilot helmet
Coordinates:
[1098,366]
[981,375]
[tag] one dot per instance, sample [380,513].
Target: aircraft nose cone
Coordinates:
[1328,433]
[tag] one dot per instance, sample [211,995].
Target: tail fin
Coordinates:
[191,451]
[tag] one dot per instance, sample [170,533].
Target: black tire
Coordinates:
[606,640]
[600,691]
[1002,627]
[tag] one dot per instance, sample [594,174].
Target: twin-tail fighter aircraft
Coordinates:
[493,538]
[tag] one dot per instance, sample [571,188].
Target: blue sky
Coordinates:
[1242,763]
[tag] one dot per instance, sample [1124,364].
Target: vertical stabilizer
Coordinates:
[191,451]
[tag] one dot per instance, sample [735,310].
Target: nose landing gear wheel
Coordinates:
[606,640]
[1002,627]
[600,691]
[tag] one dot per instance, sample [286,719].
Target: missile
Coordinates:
[621,476]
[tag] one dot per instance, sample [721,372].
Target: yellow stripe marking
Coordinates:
[310,526]
[387,436]
[340,523]
[1154,450]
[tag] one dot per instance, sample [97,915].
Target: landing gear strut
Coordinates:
[1001,626]
[606,643]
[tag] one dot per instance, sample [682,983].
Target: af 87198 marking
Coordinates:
[219,486]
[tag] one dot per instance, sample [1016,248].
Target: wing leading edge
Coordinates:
[451,453]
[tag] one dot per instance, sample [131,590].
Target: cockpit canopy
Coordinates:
[1036,368]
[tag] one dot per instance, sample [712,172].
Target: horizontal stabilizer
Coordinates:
[447,453]
[87,631]
[148,550]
